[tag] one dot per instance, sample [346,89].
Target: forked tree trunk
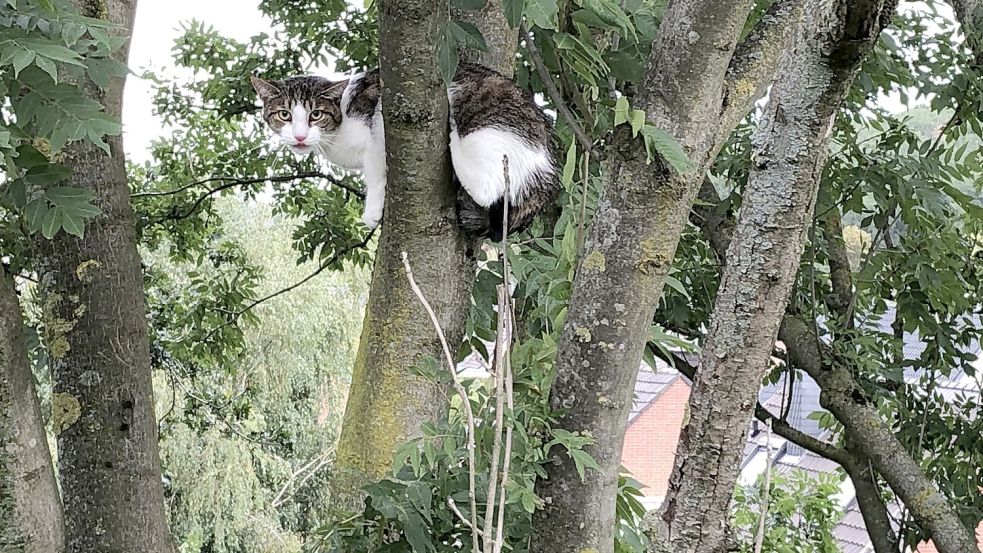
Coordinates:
[762,261]
[96,335]
[625,260]
[30,507]
[388,401]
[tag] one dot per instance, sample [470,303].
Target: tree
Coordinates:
[762,263]
[30,509]
[633,238]
[96,335]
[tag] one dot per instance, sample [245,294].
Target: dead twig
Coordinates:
[461,392]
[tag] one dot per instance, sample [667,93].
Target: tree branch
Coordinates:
[554,93]
[235,315]
[233,182]
[755,61]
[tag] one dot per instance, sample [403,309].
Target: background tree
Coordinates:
[30,511]
[96,333]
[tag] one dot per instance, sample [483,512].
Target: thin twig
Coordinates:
[465,401]
[759,538]
[324,266]
[231,182]
[554,93]
[502,338]
[453,505]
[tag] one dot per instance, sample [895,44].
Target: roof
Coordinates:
[649,386]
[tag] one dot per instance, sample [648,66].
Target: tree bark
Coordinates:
[30,506]
[969,13]
[790,148]
[501,38]
[388,402]
[626,258]
[845,399]
[865,430]
[872,507]
[96,335]
[877,520]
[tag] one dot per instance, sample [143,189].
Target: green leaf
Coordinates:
[625,65]
[448,57]
[637,121]
[51,223]
[583,461]
[467,34]
[513,11]
[56,52]
[611,13]
[621,111]
[662,142]
[542,13]
[570,164]
[48,67]
[21,60]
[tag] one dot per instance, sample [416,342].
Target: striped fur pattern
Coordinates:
[491,118]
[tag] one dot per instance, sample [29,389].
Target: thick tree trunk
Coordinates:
[762,262]
[96,334]
[969,13]
[626,257]
[501,38]
[388,402]
[30,507]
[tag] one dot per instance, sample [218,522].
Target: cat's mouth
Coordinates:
[302,149]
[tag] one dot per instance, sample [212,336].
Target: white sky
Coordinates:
[158,24]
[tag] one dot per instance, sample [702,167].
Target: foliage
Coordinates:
[46,49]
[225,219]
[802,512]
[248,425]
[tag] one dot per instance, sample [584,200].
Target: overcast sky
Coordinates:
[158,24]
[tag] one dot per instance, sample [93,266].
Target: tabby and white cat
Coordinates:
[491,118]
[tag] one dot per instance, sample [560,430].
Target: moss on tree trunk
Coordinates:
[388,401]
[96,333]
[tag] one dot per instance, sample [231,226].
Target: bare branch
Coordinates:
[461,392]
[759,537]
[233,182]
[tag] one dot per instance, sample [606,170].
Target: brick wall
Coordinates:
[650,443]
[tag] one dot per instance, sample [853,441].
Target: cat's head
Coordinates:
[304,112]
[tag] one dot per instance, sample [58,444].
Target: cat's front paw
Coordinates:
[371,219]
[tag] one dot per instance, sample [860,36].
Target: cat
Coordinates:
[490,117]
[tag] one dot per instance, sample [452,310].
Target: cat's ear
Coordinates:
[333,90]
[264,88]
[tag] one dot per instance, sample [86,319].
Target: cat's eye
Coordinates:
[283,115]
[317,115]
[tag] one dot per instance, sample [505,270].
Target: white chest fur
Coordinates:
[346,147]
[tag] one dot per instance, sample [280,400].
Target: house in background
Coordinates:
[659,411]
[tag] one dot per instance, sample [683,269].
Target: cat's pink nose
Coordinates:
[300,138]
